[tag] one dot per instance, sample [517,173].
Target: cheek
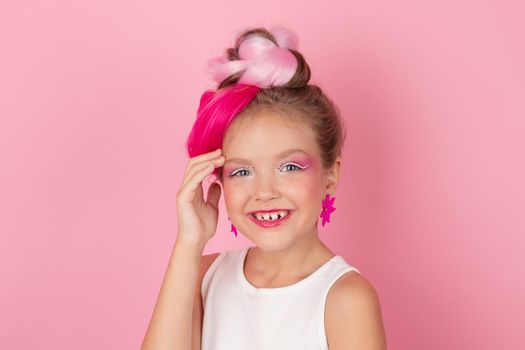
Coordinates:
[308,186]
[233,195]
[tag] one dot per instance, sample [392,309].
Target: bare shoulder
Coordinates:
[353,315]
[198,312]
[206,261]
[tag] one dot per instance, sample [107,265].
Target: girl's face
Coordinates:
[272,162]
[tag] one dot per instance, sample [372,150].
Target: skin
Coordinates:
[289,253]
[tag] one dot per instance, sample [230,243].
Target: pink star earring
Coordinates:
[233,228]
[328,208]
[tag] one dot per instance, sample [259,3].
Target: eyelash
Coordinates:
[234,174]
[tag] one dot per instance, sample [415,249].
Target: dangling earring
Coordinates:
[328,208]
[233,228]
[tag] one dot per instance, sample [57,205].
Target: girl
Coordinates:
[273,142]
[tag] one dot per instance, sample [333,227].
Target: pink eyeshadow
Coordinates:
[302,161]
[228,169]
[305,162]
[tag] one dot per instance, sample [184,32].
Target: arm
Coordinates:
[354,318]
[171,323]
[173,319]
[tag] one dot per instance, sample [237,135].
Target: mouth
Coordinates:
[272,219]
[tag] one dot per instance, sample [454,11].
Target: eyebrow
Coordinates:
[277,156]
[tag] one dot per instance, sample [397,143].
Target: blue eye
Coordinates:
[236,172]
[294,167]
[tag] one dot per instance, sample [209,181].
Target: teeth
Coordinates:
[271,216]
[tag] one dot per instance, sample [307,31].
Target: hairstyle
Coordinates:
[259,73]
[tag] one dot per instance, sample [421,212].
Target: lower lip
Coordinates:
[268,224]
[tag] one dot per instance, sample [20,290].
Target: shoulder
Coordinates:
[353,315]
[206,261]
[198,312]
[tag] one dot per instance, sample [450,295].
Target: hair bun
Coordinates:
[285,37]
[265,58]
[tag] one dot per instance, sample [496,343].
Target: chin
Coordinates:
[272,242]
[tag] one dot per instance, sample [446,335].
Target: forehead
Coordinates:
[267,133]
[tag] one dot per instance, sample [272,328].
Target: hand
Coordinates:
[197,219]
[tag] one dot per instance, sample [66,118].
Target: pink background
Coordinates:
[96,101]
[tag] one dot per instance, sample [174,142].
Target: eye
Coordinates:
[236,172]
[291,166]
[294,166]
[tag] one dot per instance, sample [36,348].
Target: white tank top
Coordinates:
[239,316]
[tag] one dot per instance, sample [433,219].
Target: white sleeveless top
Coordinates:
[239,316]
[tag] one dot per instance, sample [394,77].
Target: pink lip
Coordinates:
[273,223]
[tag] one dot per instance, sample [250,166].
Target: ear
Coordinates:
[220,176]
[332,176]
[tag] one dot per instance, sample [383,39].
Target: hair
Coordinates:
[296,99]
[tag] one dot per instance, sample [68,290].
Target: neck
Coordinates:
[303,256]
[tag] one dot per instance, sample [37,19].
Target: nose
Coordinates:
[265,188]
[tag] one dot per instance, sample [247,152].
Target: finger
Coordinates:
[194,171]
[218,162]
[202,157]
[187,192]
[197,167]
